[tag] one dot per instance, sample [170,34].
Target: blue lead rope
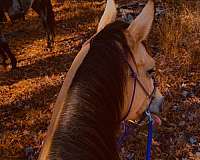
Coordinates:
[127,129]
[150,136]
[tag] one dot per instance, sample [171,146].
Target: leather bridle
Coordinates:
[136,80]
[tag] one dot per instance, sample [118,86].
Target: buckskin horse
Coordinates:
[16,9]
[109,81]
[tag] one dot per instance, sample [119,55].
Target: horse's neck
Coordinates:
[82,133]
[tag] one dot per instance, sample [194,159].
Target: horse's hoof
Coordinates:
[14,66]
[50,45]
[49,48]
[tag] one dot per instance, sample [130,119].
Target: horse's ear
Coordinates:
[109,15]
[141,26]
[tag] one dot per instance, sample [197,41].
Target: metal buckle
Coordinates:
[149,117]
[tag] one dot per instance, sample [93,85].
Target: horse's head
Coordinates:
[146,94]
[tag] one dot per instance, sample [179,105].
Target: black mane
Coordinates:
[91,115]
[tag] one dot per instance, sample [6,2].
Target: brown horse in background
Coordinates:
[16,10]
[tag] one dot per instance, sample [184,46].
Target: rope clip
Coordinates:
[149,116]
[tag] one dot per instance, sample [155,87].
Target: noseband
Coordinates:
[150,96]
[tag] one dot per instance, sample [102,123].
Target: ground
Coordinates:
[27,94]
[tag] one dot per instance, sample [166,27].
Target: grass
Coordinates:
[179,70]
[178,34]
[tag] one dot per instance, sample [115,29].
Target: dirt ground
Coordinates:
[27,94]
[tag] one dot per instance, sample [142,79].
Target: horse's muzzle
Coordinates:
[157,104]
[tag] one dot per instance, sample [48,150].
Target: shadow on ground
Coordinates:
[43,67]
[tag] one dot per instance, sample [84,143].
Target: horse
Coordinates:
[5,53]
[17,9]
[110,80]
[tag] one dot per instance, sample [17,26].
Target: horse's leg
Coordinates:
[3,57]
[2,52]
[6,50]
[44,9]
[2,17]
[11,56]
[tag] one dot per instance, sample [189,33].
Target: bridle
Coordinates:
[127,128]
[136,80]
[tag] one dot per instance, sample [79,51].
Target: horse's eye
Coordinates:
[151,72]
